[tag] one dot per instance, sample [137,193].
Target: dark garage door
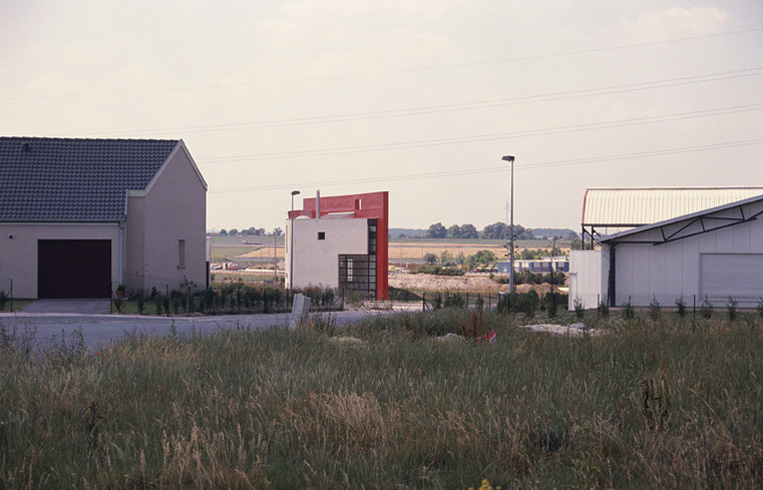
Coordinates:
[73,268]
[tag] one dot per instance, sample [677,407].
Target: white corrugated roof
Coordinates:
[637,206]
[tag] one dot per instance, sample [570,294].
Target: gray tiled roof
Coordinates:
[74,180]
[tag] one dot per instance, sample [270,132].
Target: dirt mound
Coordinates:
[466,283]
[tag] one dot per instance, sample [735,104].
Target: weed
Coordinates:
[603,308]
[655,309]
[579,308]
[706,309]
[655,401]
[159,304]
[141,303]
[118,303]
[628,311]
[681,306]
[323,323]
[731,308]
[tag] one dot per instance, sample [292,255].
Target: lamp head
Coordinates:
[508,158]
[294,193]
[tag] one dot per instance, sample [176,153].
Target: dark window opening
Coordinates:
[358,273]
[321,235]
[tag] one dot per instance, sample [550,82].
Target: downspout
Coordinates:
[318,204]
[611,292]
[122,242]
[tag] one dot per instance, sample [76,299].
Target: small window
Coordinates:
[321,235]
[181,253]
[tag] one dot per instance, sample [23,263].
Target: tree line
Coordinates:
[251,231]
[496,231]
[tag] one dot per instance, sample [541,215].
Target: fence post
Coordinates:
[423,301]
[11,295]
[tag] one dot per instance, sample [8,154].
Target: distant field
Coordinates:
[412,250]
[260,249]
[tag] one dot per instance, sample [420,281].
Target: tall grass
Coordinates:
[649,404]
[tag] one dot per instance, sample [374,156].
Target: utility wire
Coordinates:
[554,96]
[502,168]
[381,72]
[489,137]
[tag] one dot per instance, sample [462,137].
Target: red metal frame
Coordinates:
[372,205]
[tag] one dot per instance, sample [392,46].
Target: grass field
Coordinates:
[650,403]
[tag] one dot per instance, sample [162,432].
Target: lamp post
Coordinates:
[291,246]
[510,159]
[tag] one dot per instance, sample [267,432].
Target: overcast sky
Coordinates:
[420,98]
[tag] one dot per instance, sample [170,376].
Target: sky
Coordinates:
[421,99]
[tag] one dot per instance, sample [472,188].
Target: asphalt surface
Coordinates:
[53,321]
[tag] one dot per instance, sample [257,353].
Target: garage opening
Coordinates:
[737,276]
[73,269]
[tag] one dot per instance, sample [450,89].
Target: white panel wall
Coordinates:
[316,262]
[667,271]
[585,278]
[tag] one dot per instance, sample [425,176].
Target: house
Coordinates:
[713,254]
[78,217]
[340,242]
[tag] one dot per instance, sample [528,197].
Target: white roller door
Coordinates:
[739,276]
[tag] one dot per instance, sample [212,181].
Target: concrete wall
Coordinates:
[173,208]
[18,255]
[667,271]
[316,262]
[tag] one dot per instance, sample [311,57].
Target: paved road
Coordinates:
[97,329]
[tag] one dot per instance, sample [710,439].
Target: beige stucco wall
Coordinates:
[18,255]
[316,262]
[173,208]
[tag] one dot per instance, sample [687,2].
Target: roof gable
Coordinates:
[73,179]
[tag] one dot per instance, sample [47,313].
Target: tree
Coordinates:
[278,232]
[496,231]
[576,244]
[446,258]
[469,231]
[436,230]
[430,258]
[232,232]
[223,232]
[454,231]
[481,257]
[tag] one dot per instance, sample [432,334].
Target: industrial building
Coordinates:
[698,244]
[340,242]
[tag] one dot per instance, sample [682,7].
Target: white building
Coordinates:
[340,242]
[711,254]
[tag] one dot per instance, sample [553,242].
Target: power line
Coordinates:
[503,168]
[381,72]
[554,96]
[489,137]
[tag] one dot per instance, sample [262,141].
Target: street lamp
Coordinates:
[291,246]
[510,159]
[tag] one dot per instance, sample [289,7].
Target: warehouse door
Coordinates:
[73,268]
[737,276]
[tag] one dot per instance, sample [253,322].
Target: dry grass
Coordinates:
[652,404]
